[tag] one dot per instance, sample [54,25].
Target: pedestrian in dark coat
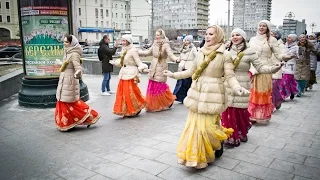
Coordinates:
[105,54]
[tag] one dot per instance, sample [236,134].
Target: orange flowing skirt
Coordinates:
[69,115]
[129,100]
[260,102]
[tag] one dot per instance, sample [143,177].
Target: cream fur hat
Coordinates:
[128,38]
[241,32]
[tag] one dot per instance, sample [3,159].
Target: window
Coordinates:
[8,19]
[79,11]
[129,25]
[116,6]
[102,25]
[101,12]
[80,23]
[121,15]
[113,24]
[79,1]
[125,7]
[117,25]
[0,18]
[129,16]
[116,15]
[96,12]
[125,16]
[121,6]
[96,1]
[7,5]
[107,24]
[96,23]
[107,13]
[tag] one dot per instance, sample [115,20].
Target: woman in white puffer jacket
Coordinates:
[187,55]
[237,116]
[288,85]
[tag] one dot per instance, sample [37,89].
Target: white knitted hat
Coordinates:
[128,38]
[189,38]
[241,32]
[267,23]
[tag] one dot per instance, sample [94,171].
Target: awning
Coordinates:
[101,30]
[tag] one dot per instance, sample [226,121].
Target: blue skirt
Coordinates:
[182,88]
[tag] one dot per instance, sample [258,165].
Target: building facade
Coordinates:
[248,13]
[9,21]
[140,19]
[291,26]
[181,16]
[96,18]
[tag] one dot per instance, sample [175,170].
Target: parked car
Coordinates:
[8,51]
[90,51]
[16,58]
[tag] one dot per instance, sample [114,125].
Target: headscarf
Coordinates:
[219,34]
[74,44]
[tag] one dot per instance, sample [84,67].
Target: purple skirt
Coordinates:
[288,86]
[276,95]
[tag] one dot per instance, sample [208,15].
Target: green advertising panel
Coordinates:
[43,30]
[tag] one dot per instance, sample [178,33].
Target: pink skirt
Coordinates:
[288,86]
[237,119]
[159,96]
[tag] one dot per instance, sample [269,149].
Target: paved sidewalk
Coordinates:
[143,148]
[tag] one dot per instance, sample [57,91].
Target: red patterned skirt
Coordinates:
[69,115]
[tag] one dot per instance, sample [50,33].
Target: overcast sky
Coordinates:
[303,9]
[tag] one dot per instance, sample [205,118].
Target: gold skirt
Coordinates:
[202,135]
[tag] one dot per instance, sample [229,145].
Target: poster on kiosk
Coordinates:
[44,23]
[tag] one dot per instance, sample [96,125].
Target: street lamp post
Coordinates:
[313,26]
[228,28]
